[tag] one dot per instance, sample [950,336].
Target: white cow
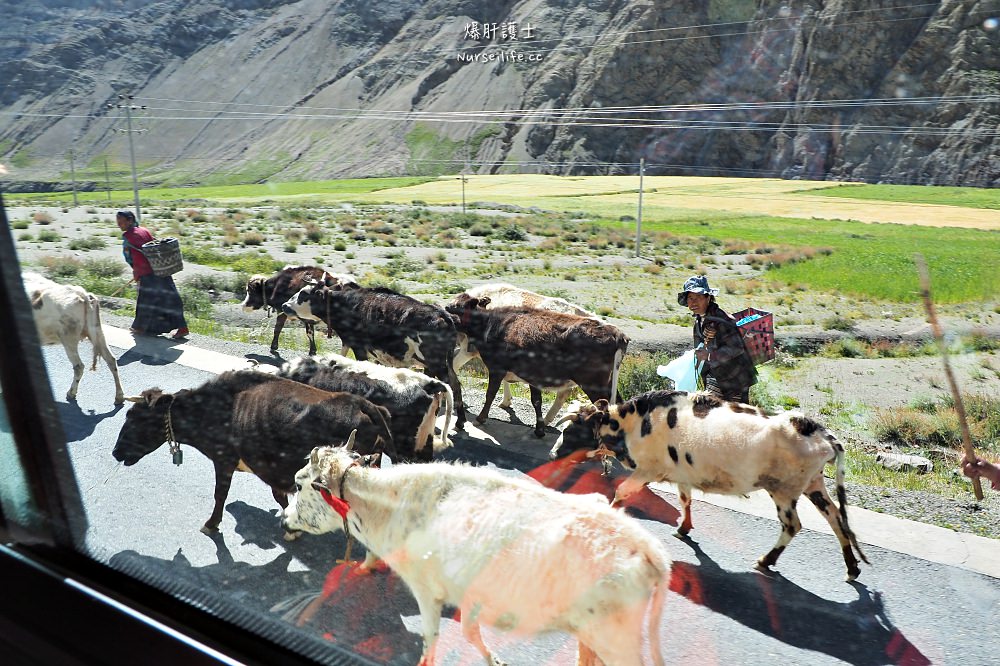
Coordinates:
[67,314]
[507,552]
[503,295]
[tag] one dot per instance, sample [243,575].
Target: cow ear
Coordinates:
[602,405]
[317,485]
[314,457]
[349,446]
[152,396]
[370,460]
[483,302]
[36,300]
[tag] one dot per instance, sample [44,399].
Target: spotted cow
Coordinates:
[698,441]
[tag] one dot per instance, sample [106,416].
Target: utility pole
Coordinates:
[72,174]
[638,218]
[126,103]
[107,179]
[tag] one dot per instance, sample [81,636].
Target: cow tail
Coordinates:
[842,497]
[94,330]
[655,614]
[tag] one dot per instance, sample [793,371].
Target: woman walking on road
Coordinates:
[158,306]
[728,371]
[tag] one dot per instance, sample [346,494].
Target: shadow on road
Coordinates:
[276,360]
[78,424]
[151,351]
[858,632]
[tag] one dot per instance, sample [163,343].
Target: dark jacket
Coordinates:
[728,361]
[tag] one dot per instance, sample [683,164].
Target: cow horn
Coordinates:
[569,417]
[135,398]
[350,440]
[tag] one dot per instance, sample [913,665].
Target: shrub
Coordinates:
[637,374]
[291,247]
[513,233]
[340,246]
[313,232]
[253,238]
[20,224]
[42,218]
[197,303]
[480,229]
[92,243]
[401,265]
[48,236]
[838,323]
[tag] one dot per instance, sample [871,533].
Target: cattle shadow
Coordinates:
[276,359]
[333,603]
[79,424]
[858,632]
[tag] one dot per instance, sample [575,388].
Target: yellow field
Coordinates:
[617,195]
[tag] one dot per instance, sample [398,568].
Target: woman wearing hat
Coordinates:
[727,369]
[158,306]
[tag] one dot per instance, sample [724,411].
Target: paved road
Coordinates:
[145,520]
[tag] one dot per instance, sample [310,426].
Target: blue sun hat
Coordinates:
[698,285]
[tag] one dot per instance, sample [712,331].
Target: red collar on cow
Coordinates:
[339,504]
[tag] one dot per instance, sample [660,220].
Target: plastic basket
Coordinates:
[164,256]
[757,327]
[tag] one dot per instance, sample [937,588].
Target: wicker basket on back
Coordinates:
[164,256]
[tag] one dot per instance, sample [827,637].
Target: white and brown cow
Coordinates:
[698,441]
[394,329]
[66,314]
[272,292]
[503,295]
[508,552]
[544,349]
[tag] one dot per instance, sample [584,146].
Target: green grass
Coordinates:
[246,262]
[229,192]
[968,197]
[430,152]
[868,260]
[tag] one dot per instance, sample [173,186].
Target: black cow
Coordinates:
[267,423]
[542,348]
[412,398]
[397,330]
[272,292]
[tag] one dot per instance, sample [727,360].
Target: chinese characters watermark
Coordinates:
[505,31]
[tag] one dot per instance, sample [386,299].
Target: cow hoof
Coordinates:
[682,534]
[292,536]
[274,351]
[71,397]
[852,576]
[209,530]
[120,400]
[480,420]
[540,432]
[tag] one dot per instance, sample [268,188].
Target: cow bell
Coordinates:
[178,457]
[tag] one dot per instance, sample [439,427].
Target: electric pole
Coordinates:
[107,179]
[72,175]
[125,102]
[638,219]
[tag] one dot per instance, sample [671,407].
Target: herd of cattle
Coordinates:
[456,534]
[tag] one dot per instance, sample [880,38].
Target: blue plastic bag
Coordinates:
[684,371]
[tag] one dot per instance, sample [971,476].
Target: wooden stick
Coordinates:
[925,292]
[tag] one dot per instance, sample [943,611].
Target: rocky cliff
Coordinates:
[251,90]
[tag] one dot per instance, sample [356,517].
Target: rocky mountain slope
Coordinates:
[250,90]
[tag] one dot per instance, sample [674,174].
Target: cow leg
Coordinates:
[536,402]
[790,526]
[684,492]
[507,395]
[456,390]
[818,495]
[470,629]
[71,345]
[223,479]
[311,334]
[586,656]
[491,393]
[430,623]
[557,405]
[629,487]
[112,364]
[279,323]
